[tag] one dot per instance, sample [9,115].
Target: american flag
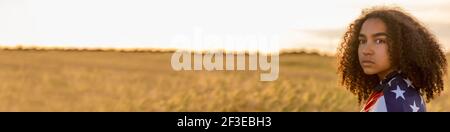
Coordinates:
[396,94]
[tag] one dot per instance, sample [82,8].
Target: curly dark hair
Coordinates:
[412,50]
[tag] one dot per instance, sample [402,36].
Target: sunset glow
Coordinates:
[316,25]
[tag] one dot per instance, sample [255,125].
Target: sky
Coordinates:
[316,25]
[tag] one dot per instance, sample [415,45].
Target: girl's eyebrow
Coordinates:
[380,34]
[375,35]
[361,35]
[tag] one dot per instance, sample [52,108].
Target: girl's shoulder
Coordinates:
[400,95]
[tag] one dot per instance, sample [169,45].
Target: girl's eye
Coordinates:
[380,41]
[362,41]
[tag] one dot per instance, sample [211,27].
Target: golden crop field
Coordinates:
[144,81]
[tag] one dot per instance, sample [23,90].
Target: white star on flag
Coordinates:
[389,83]
[408,82]
[414,107]
[398,92]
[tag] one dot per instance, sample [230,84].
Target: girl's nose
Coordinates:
[367,49]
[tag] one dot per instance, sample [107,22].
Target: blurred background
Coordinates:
[114,55]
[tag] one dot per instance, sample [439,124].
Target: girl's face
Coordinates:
[373,48]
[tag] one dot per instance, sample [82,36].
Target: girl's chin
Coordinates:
[370,72]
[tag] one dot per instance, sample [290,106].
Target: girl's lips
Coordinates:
[367,62]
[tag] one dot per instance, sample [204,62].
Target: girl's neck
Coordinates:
[382,75]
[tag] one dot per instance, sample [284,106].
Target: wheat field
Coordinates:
[144,81]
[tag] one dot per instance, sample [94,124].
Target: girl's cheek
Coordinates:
[383,59]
